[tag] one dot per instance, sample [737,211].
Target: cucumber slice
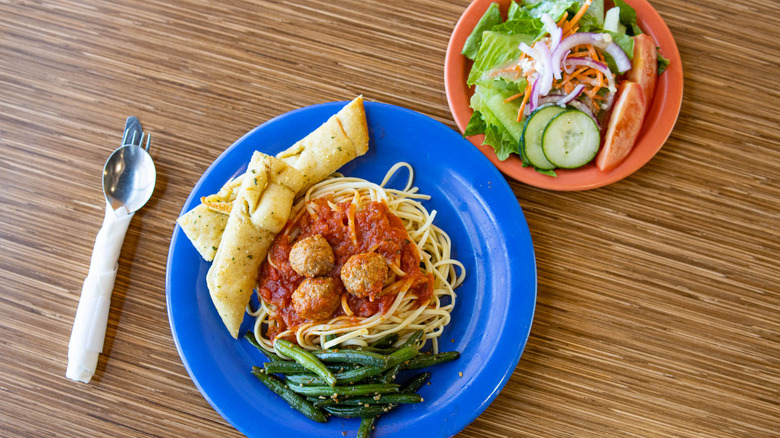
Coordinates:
[532,136]
[571,139]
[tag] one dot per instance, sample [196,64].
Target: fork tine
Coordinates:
[148,141]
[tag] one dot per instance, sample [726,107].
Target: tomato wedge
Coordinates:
[625,122]
[644,67]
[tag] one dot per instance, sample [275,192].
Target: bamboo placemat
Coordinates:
[658,296]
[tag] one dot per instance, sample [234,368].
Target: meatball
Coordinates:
[316,298]
[364,274]
[312,256]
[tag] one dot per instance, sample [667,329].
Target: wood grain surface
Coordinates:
[658,297]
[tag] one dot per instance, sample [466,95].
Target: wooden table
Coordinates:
[658,296]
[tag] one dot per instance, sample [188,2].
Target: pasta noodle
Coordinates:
[406,313]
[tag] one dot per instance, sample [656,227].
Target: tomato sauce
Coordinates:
[376,229]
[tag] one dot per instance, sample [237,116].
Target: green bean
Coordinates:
[389,375]
[384,351]
[358,374]
[381,399]
[305,380]
[358,411]
[290,367]
[306,359]
[426,360]
[413,338]
[329,391]
[299,375]
[250,336]
[386,341]
[348,373]
[296,401]
[415,383]
[330,337]
[352,356]
[401,355]
[322,402]
[284,367]
[366,426]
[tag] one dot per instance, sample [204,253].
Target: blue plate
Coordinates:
[492,317]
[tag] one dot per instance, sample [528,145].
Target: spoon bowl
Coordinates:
[129,177]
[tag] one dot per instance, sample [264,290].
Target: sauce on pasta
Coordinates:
[349,231]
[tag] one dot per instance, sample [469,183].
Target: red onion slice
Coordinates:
[533,102]
[567,68]
[552,28]
[546,75]
[571,96]
[528,50]
[601,40]
[541,55]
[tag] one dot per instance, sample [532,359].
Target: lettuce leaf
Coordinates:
[500,125]
[496,49]
[490,18]
[628,17]
[515,11]
[624,41]
[592,19]
[476,125]
[523,24]
[662,62]
[594,15]
[554,8]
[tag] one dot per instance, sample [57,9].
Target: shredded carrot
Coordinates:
[592,52]
[580,13]
[571,76]
[563,19]
[568,87]
[525,101]
[509,99]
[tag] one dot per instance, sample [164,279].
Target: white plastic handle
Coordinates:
[89,326]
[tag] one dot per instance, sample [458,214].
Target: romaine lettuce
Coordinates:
[663,63]
[490,18]
[496,49]
[628,17]
[593,17]
[498,120]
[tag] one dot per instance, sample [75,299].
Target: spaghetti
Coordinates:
[359,216]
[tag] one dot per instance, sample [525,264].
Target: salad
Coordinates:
[561,83]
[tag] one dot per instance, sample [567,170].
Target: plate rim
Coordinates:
[370,106]
[455,63]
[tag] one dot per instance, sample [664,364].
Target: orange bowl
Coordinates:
[657,126]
